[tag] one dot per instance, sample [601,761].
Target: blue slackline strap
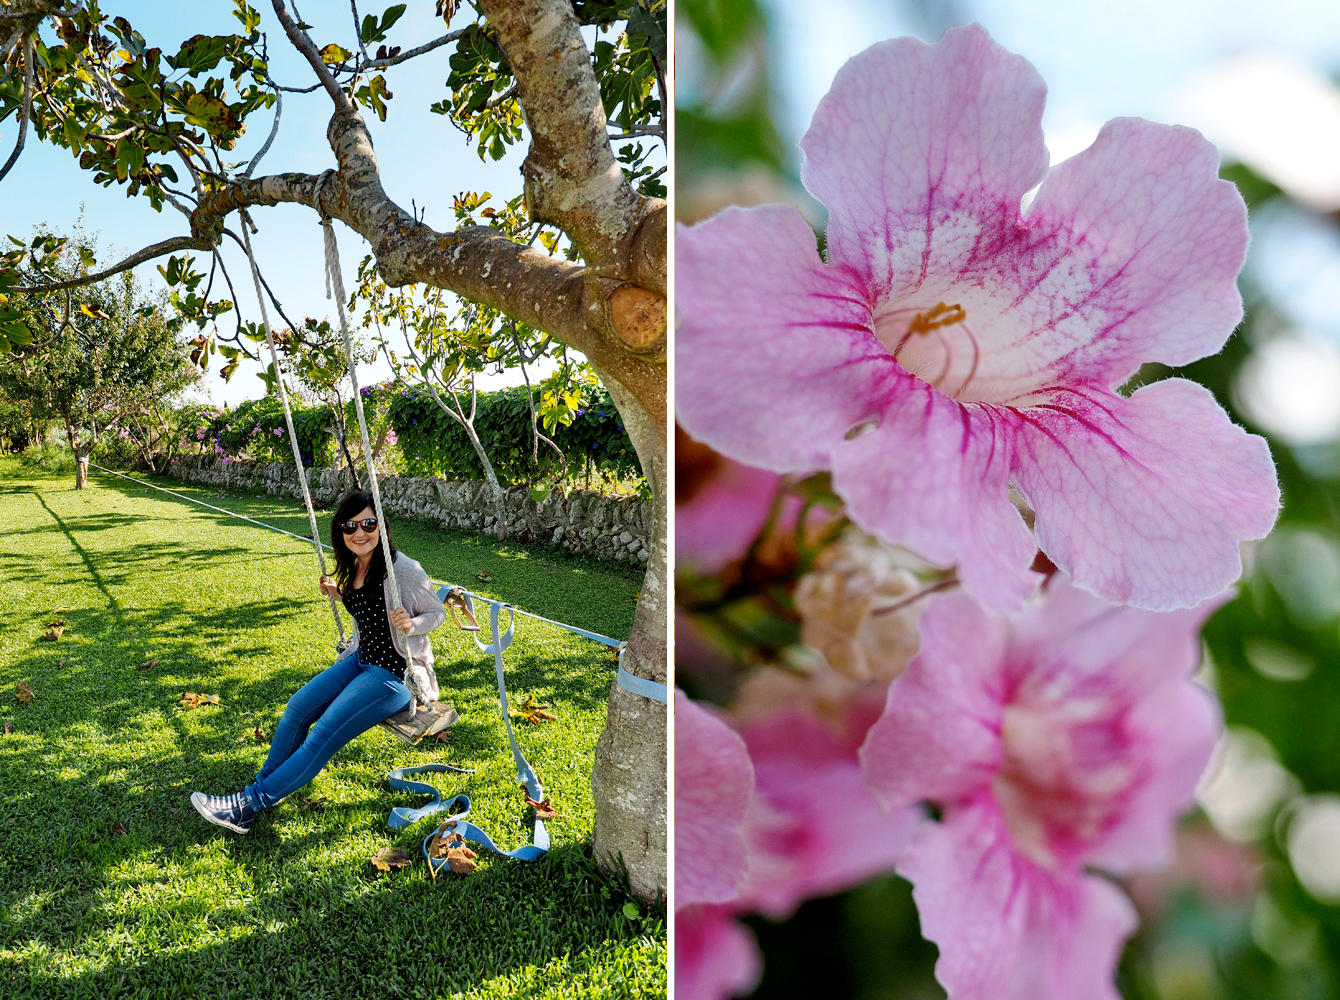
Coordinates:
[526,852]
[402,818]
[642,686]
[524,772]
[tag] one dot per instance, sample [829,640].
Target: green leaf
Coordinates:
[642,23]
[631,911]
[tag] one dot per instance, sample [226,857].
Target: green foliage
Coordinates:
[715,133]
[21,423]
[257,428]
[432,443]
[629,67]
[48,456]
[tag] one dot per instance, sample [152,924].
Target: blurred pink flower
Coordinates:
[713,784]
[715,955]
[720,506]
[279,432]
[1066,741]
[813,828]
[951,347]
[200,434]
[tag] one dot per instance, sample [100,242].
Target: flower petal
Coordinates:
[715,955]
[934,477]
[922,153]
[1134,652]
[1181,724]
[939,736]
[774,350]
[1144,500]
[814,828]
[1161,239]
[717,524]
[1007,929]
[714,782]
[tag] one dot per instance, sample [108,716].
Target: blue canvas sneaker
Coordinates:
[231,811]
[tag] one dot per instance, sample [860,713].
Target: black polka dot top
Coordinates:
[368,606]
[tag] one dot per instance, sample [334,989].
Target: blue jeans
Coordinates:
[345,699]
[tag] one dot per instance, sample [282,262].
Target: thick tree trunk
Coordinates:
[628,782]
[80,470]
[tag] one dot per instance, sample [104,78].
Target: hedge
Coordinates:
[432,443]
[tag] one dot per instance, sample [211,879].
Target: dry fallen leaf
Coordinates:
[260,736]
[391,857]
[543,810]
[462,860]
[148,663]
[315,802]
[9,728]
[484,575]
[443,736]
[534,711]
[60,665]
[190,699]
[119,828]
[23,692]
[63,607]
[54,630]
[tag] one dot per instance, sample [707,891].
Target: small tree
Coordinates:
[115,353]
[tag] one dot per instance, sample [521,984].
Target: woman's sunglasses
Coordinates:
[368,524]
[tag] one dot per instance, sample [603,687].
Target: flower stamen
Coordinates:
[933,319]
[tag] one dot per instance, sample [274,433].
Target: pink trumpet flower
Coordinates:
[713,783]
[813,827]
[952,347]
[1064,742]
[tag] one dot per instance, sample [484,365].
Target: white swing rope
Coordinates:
[335,280]
[288,418]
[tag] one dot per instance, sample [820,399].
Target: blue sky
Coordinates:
[421,155]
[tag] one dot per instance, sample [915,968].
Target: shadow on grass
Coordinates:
[368,935]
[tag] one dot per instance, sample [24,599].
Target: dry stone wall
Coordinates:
[584,522]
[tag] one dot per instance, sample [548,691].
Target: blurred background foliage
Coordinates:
[1248,911]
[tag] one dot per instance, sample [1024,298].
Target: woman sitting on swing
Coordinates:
[366,685]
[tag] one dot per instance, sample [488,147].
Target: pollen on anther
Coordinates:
[941,315]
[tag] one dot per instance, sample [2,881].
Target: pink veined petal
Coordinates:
[814,828]
[775,358]
[1181,724]
[715,955]
[1132,652]
[714,781]
[939,736]
[1007,929]
[1161,239]
[921,153]
[1143,500]
[716,526]
[934,477]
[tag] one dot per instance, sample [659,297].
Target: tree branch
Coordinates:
[148,253]
[572,178]
[304,44]
[26,112]
[446,39]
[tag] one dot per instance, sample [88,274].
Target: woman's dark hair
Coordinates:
[351,505]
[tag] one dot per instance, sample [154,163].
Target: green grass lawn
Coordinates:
[112,886]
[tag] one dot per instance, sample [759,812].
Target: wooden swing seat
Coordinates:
[426,720]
